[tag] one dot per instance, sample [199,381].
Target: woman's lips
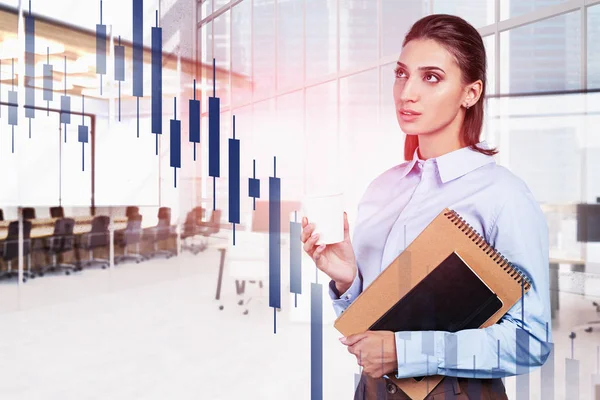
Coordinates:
[408,117]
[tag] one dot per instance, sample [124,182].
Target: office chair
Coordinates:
[162,232]
[28,213]
[57,212]
[98,237]
[131,235]
[193,221]
[212,227]
[132,211]
[199,212]
[10,249]
[61,241]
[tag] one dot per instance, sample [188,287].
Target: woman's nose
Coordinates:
[408,91]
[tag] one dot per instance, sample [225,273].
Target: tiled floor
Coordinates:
[155,331]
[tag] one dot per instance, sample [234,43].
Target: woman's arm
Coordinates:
[342,301]
[520,233]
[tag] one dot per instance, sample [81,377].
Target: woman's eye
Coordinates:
[399,74]
[431,76]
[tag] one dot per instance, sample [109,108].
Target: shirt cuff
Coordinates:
[340,303]
[417,353]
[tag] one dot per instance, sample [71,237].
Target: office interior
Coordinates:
[148,297]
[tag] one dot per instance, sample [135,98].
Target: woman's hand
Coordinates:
[375,351]
[336,260]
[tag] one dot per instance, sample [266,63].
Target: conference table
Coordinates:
[44,228]
[41,228]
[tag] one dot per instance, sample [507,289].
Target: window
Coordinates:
[490,53]
[206,33]
[290,55]
[220,3]
[264,48]
[207,8]
[290,144]
[543,56]
[241,49]
[222,45]
[396,18]
[322,167]
[510,9]
[358,33]
[593,51]
[360,133]
[540,140]
[244,132]
[321,38]
[478,13]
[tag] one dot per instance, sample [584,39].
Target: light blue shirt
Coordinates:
[396,208]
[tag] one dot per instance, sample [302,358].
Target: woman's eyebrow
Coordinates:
[428,67]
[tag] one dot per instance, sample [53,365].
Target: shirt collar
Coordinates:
[411,164]
[456,163]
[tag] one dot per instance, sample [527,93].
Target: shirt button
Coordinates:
[348,296]
[391,388]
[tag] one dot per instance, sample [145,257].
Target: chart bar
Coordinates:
[175,142]
[316,341]
[214,146]
[547,374]
[29,66]
[82,133]
[12,107]
[234,179]
[295,258]
[274,242]
[157,80]
[138,48]
[48,83]
[571,379]
[522,356]
[194,120]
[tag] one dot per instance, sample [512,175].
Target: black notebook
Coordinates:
[450,298]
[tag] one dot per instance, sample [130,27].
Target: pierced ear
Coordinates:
[474,92]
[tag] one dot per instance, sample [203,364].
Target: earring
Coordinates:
[467,106]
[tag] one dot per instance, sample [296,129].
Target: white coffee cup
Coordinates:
[327,213]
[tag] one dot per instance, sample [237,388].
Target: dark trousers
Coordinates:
[450,388]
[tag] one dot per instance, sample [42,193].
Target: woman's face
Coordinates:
[428,85]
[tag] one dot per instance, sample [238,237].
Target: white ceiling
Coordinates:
[86,14]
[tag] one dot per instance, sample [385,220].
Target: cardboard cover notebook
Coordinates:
[448,279]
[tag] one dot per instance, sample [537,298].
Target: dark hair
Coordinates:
[463,41]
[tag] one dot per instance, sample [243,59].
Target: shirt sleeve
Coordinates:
[520,341]
[340,303]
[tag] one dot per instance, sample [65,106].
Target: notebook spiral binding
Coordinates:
[510,268]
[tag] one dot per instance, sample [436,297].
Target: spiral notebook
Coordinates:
[449,278]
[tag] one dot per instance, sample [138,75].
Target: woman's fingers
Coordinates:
[318,252]
[310,244]
[310,240]
[306,232]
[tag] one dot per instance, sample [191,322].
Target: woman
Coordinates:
[439,96]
